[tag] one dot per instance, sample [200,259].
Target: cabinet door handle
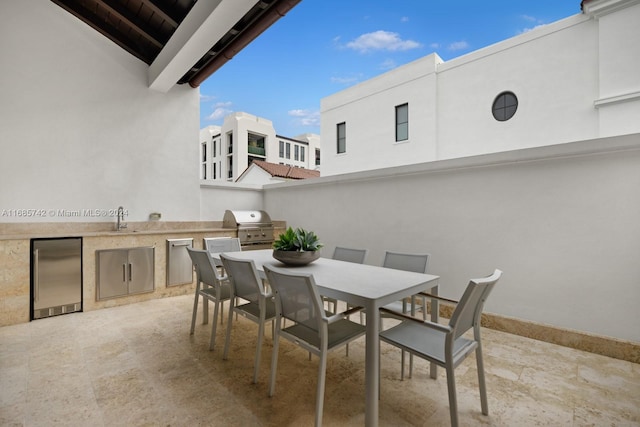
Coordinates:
[130,272]
[36,274]
[124,272]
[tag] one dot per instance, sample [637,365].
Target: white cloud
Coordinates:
[539,23]
[388,64]
[346,80]
[458,45]
[404,19]
[220,110]
[206,98]
[306,117]
[381,40]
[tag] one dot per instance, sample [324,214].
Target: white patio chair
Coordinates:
[216,245]
[349,255]
[211,287]
[313,329]
[250,299]
[418,263]
[445,345]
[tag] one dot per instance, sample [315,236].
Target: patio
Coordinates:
[137,365]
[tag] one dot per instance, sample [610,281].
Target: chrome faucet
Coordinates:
[121,224]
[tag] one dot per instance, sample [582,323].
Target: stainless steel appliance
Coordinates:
[56,276]
[255,228]
[179,265]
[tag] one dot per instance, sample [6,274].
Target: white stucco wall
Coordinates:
[560,221]
[575,79]
[216,197]
[81,129]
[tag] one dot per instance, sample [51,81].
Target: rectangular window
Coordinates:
[288,150]
[204,151]
[215,144]
[230,143]
[317,157]
[402,122]
[302,154]
[342,137]
[281,152]
[296,152]
[214,172]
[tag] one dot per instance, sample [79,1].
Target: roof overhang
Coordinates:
[182,42]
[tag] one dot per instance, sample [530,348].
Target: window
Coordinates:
[296,151]
[281,152]
[288,150]
[317,157]
[230,143]
[504,106]
[215,144]
[302,154]
[341,137]
[402,122]
[204,151]
[214,172]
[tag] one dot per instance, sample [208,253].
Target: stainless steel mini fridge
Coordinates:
[56,276]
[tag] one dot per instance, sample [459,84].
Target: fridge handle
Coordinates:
[36,275]
[124,272]
[130,273]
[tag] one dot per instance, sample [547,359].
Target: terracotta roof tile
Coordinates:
[284,171]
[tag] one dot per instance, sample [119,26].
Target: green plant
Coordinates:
[297,240]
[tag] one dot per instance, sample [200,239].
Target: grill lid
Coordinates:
[234,219]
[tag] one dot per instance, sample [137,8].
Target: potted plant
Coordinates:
[297,247]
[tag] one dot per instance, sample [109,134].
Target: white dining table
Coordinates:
[362,285]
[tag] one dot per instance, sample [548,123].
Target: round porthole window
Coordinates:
[504,106]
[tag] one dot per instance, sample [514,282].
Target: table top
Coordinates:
[360,284]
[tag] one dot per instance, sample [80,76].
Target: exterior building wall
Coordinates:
[238,126]
[575,79]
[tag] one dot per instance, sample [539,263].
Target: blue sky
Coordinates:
[324,46]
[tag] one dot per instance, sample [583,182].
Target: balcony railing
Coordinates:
[259,151]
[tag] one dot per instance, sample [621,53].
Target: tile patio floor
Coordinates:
[137,365]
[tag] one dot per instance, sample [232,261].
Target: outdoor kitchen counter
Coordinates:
[15,258]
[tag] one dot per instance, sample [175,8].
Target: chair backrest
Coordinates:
[206,271]
[418,263]
[297,297]
[467,313]
[350,255]
[244,277]
[222,244]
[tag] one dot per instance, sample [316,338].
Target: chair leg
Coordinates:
[195,312]
[482,385]
[214,325]
[256,366]
[228,335]
[205,311]
[453,402]
[322,375]
[274,364]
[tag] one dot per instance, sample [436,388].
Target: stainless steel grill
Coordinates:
[255,229]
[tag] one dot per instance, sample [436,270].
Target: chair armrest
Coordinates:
[427,323]
[438,297]
[344,314]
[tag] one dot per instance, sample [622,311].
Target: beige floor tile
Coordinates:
[137,365]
